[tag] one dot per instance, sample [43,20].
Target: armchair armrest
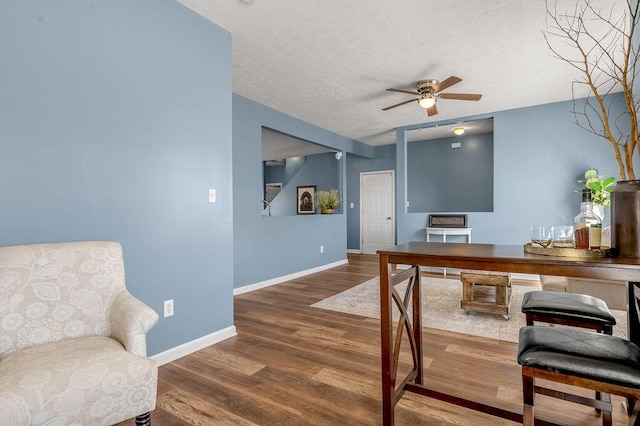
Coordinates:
[130,321]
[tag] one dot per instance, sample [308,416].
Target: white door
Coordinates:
[377,213]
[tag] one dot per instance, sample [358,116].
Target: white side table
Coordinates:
[448,231]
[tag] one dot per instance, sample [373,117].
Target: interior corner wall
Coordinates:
[115,119]
[539,154]
[266,247]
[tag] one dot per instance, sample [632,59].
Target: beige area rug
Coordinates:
[441,308]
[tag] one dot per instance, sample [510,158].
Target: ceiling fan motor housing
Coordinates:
[426,86]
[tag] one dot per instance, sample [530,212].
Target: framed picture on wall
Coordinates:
[306,199]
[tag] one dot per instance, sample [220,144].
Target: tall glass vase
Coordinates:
[625,218]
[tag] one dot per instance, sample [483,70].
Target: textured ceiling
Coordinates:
[328,62]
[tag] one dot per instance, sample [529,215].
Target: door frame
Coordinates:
[393,202]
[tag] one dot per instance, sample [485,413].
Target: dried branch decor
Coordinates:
[606,52]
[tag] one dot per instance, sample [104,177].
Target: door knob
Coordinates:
[389,218]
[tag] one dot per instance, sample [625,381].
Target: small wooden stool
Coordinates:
[472,300]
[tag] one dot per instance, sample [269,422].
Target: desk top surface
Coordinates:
[511,258]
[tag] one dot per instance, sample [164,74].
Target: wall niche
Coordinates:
[447,172]
[289,162]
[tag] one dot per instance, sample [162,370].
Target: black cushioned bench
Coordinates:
[599,362]
[577,310]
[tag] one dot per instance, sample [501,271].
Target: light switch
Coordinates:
[212,195]
[351,205]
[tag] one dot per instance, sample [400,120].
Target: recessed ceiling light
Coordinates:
[458,130]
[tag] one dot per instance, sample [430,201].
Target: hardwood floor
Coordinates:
[292,364]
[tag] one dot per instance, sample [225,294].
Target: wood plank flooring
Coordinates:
[292,364]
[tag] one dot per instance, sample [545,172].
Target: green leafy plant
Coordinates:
[328,199]
[599,186]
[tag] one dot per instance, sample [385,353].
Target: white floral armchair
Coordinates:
[73,340]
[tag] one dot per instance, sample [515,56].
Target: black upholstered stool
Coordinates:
[577,310]
[595,361]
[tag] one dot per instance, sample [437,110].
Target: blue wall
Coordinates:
[115,119]
[272,247]
[441,179]
[539,154]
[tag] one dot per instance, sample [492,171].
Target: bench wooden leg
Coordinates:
[606,415]
[467,292]
[501,295]
[528,395]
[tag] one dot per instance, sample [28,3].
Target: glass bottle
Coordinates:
[587,225]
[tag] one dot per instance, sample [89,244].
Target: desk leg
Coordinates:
[417,326]
[632,312]
[444,240]
[386,339]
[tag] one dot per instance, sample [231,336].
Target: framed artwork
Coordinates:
[447,221]
[306,199]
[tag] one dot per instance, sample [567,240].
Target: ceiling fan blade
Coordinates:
[460,96]
[446,83]
[403,91]
[397,105]
[433,110]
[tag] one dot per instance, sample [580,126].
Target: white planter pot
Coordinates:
[599,210]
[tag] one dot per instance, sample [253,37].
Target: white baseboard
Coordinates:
[278,280]
[354,251]
[194,345]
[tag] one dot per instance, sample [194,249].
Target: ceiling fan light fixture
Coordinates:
[427,102]
[458,130]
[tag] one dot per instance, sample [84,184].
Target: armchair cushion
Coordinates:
[53,292]
[88,380]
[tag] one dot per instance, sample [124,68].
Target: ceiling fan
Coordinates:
[428,94]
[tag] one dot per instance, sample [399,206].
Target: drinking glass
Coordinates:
[541,235]
[562,236]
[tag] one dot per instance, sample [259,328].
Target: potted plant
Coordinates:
[328,201]
[600,188]
[603,47]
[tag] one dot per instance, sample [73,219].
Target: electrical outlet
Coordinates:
[168,308]
[321,249]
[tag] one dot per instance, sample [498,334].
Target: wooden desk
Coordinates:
[488,257]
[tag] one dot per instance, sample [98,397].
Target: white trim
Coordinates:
[195,345]
[278,280]
[354,251]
